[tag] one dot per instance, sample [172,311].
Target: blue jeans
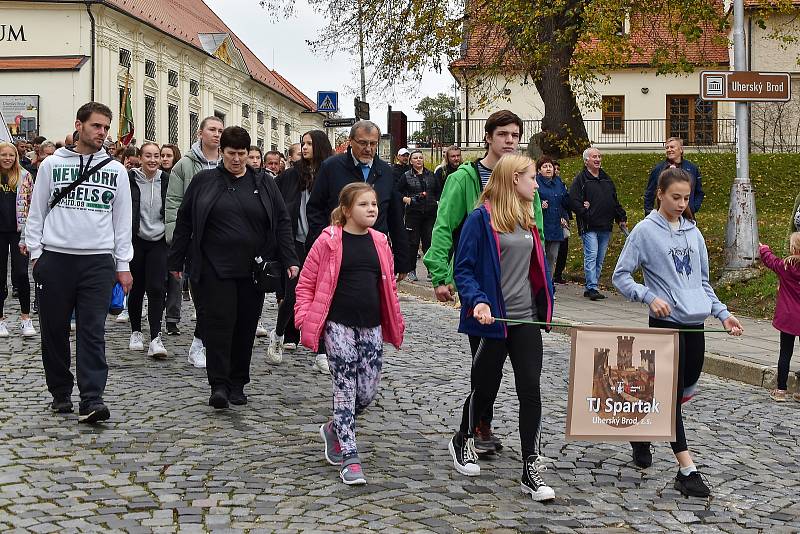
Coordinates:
[595,245]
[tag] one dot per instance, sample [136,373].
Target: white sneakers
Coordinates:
[157,348]
[122,317]
[321,364]
[197,354]
[137,341]
[261,331]
[26,328]
[275,348]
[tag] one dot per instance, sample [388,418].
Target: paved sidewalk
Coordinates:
[751,358]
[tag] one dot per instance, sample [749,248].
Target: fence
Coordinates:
[719,133]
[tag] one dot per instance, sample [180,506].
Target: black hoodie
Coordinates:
[604,208]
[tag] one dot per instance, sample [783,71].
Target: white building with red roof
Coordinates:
[180,61]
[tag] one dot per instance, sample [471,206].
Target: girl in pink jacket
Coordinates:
[787,308]
[347,294]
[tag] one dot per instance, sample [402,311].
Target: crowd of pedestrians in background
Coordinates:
[331,235]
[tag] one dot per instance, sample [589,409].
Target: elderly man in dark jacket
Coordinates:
[360,164]
[673,149]
[593,199]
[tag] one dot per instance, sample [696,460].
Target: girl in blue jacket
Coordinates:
[500,271]
[672,254]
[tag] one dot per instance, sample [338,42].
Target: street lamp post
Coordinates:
[741,234]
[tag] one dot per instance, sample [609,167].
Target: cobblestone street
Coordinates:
[167,462]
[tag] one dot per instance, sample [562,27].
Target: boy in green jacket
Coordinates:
[458,199]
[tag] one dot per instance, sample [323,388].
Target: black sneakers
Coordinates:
[237,396]
[691,485]
[642,456]
[94,413]
[532,482]
[486,442]
[465,459]
[594,294]
[173,330]
[218,399]
[61,405]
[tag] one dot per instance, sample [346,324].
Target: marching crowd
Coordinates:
[331,235]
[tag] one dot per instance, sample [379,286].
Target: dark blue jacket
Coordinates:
[477,275]
[555,193]
[695,197]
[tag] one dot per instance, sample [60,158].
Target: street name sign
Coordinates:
[328,101]
[746,86]
[338,123]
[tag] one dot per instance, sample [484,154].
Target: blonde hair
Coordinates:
[508,209]
[793,259]
[15,171]
[347,198]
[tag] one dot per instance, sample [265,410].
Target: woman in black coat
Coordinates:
[420,190]
[295,185]
[231,215]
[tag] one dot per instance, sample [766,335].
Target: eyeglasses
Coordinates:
[365,144]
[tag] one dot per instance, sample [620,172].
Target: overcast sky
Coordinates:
[282,46]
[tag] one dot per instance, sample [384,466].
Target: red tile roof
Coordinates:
[42,63]
[195,17]
[485,44]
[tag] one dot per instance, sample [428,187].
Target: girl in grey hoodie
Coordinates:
[672,254]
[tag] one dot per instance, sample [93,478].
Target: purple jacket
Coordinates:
[787,309]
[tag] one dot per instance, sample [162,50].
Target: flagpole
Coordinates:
[123,118]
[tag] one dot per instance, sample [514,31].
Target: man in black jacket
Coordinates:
[593,199]
[360,164]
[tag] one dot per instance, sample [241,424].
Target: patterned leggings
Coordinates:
[355,356]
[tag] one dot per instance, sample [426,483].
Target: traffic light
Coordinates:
[362,109]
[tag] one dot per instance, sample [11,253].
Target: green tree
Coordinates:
[437,126]
[561,46]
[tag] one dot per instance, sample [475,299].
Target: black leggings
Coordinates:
[561,261]
[787,348]
[419,225]
[691,354]
[285,322]
[148,268]
[9,242]
[524,345]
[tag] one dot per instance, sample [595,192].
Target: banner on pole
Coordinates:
[622,384]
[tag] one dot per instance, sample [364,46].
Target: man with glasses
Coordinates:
[360,164]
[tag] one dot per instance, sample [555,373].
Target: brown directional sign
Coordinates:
[746,86]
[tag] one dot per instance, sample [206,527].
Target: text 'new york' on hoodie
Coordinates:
[95,218]
[675,268]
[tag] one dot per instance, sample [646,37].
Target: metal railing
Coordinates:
[719,133]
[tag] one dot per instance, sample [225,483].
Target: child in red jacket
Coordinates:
[347,294]
[787,308]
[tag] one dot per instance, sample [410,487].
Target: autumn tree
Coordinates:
[437,125]
[560,46]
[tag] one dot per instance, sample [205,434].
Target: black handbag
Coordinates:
[266,273]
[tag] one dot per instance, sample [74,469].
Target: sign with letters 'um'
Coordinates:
[622,384]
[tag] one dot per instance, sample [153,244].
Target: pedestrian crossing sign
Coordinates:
[328,101]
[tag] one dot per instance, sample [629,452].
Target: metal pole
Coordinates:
[361,51]
[741,236]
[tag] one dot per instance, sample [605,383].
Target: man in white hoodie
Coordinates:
[203,155]
[80,244]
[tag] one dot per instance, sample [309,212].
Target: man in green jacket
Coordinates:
[203,155]
[459,197]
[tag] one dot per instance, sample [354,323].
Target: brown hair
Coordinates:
[176,152]
[793,258]
[347,198]
[670,176]
[502,118]
[545,159]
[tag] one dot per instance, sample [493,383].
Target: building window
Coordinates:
[150,68]
[274,123]
[245,111]
[220,115]
[150,118]
[172,78]
[613,114]
[194,126]
[274,148]
[172,112]
[125,57]
[194,88]
[287,129]
[260,143]
[691,119]
[260,117]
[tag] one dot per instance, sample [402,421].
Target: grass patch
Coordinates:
[776,178]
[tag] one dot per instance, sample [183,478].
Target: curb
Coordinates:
[718,365]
